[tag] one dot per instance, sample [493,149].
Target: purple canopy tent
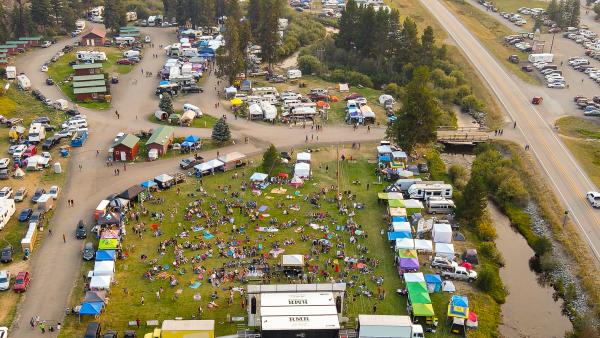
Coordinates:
[409,264]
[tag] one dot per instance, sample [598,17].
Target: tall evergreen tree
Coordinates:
[471,205]
[40,10]
[231,57]
[271,160]
[552,10]
[3,23]
[114,14]
[347,26]
[221,132]
[180,11]
[427,46]
[20,18]
[166,104]
[207,13]
[575,11]
[418,119]
[254,15]
[409,42]
[268,36]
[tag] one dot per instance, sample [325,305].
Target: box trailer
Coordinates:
[79,138]
[541,57]
[388,326]
[11,72]
[23,82]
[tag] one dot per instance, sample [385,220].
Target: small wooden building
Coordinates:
[94,37]
[160,140]
[87,69]
[126,148]
[90,93]
[32,41]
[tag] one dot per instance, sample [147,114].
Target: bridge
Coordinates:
[462,135]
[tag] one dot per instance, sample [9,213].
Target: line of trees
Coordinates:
[198,13]
[48,17]
[565,13]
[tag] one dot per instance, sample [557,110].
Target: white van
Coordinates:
[119,40]
[131,53]
[11,72]
[23,82]
[61,104]
[294,74]
[73,124]
[439,205]
[193,108]
[7,209]
[37,133]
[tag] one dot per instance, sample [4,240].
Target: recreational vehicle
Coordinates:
[439,205]
[23,82]
[11,72]
[7,209]
[120,40]
[424,191]
[265,91]
[37,133]
[92,56]
[294,74]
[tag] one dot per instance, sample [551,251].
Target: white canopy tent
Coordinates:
[269,110]
[100,282]
[423,245]
[414,277]
[401,227]
[303,157]
[444,250]
[258,177]
[448,286]
[405,243]
[292,260]
[442,233]
[104,268]
[302,170]
[209,165]
[255,110]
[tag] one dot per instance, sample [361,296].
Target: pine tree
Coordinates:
[268,35]
[180,11]
[221,132]
[552,10]
[427,46]
[471,205]
[114,14]
[417,120]
[20,18]
[575,13]
[254,14]
[271,160]
[347,26]
[39,12]
[166,104]
[3,23]
[231,58]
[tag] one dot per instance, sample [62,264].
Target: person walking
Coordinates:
[43,327]
[80,167]
[142,300]
[64,238]
[515,125]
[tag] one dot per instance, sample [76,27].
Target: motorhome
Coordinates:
[439,205]
[11,72]
[294,74]
[175,49]
[97,11]
[265,91]
[424,190]
[405,183]
[545,57]
[23,82]
[37,133]
[120,40]
[87,55]
[7,209]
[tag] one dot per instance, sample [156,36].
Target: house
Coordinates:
[18,43]
[160,140]
[126,148]
[10,49]
[87,69]
[94,37]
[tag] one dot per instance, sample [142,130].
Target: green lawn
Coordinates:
[582,137]
[60,71]
[125,307]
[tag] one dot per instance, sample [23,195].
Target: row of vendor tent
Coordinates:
[418,296]
[221,163]
[440,249]
[262,111]
[261,177]
[302,170]
[163,181]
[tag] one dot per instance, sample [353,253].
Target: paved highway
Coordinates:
[565,174]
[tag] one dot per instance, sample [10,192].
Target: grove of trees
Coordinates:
[565,13]
[47,17]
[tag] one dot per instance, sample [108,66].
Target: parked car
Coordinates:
[50,142]
[37,194]
[4,281]
[49,81]
[460,273]
[125,62]
[110,334]
[54,190]
[188,163]
[4,174]
[25,214]
[36,217]
[20,194]
[443,263]
[6,193]
[594,198]
[21,282]
[6,256]
[192,89]
[93,330]
[88,252]
[81,231]
[513,59]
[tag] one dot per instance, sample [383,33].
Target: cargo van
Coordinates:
[131,53]
[37,133]
[439,205]
[74,124]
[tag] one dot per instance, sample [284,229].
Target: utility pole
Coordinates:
[552,44]
[337,172]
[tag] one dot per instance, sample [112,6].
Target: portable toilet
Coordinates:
[57,168]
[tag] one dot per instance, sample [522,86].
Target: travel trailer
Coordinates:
[424,191]
[92,56]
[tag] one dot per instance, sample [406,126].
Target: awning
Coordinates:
[424,245]
[292,260]
[91,309]
[192,139]
[413,277]
[458,307]
[392,236]
[105,255]
[108,244]
[149,184]
[100,282]
[404,253]
[94,297]
[423,310]
[258,177]
[419,297]
[405,243]
[409,263]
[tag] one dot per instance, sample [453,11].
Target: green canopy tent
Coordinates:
[417,287]
[407,253]
[423,310]
[108,244]
[395,203]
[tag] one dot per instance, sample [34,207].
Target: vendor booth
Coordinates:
[442,233]
[302,170]
[105,255]
[444,250]
[104,268]
[100,282]
[208,167]
[164,181]
[434,283]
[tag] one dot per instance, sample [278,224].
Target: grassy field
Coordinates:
[582,137]
[337,113]
[21,104]
[491,33]
[513,5]
[60,70]
[124,307]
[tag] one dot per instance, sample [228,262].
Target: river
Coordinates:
[530,309]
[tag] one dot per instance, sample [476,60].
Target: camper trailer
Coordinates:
[80,24]
[120,40]
[7,209]
[439,205]
[424,191]
[37,133]
[265,91]
[131,53]
[11,72]
[92,56]
[23,82]
[294,74]
[131,16]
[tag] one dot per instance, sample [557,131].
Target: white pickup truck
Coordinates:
[460,273]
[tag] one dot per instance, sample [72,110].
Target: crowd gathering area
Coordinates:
[194,249]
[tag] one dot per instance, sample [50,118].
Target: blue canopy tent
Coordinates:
[458,307]
[392,236]
[91,309]
[399,219]
[149,184]
[192,139]
[105,255]
[434,283]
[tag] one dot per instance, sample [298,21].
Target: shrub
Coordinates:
[490,251]
[437,168]
[541,246]
[352,77]
[512,190]
[458,175]
[394,90]
[489,281]
[309,64]
[2,72]
[470,102]
[485,228]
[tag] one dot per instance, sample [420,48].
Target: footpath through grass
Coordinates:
[60,71]
[295,238]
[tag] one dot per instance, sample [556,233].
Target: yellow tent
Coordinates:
[237,101]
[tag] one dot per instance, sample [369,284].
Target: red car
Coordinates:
[537,100]
[125,62]
[21,282]
[352,96]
